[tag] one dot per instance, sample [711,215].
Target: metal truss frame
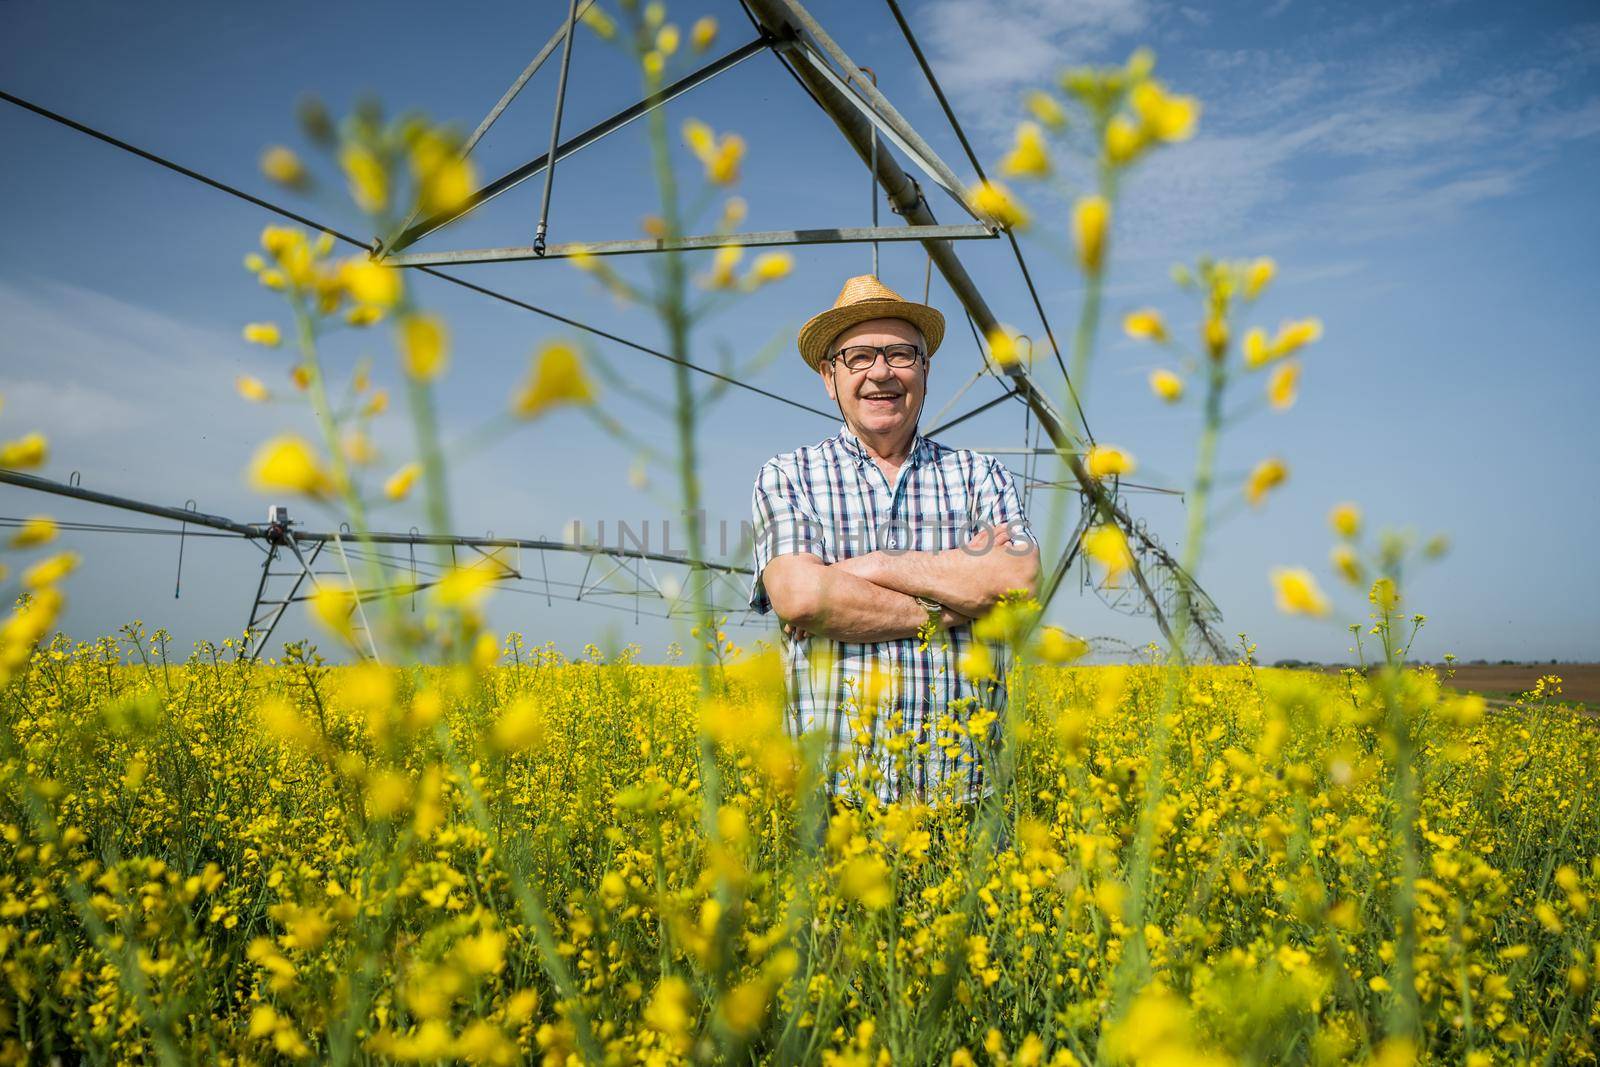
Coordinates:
[862,114]
[305,547]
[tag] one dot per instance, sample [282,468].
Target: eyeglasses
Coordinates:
[860,357]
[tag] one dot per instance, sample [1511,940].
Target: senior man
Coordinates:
[877,548]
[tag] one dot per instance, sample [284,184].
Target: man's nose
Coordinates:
[880,360]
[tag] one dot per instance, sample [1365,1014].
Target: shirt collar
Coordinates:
[920,446]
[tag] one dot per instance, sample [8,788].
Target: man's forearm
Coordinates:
[850,608]
[970,583]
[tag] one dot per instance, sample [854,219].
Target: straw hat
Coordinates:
[865,297]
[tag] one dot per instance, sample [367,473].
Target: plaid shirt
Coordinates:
[831,500]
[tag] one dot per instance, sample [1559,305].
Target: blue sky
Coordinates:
[1417,171]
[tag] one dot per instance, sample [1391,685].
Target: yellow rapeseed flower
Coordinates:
[1164,117]
[1107,545]
[485,651]
[1046,109]
[1258,275]
[387,793]
[1091,218]
[600,23]
[369,182]
[358,448]
[363,315]
[866,879]
[36,530]
[556,377]
[1267,475]
[671,1012]
[1347,564]
[1345,519]
[722,264]
[1028,158]
[1124,141]
[424,346]
[1166,385]
[47,572]
[27,451]
[995,200]
[723,167]
[1292,336]
[703,33]
[769,267]
[281,241]
[700,139]
[252,389]
[283,166]
[1141,61]
[1145,324]
[976,663]
[667,38]
[1105,461]
[465,587]
[398,486]
[263,333]
[1057,646]
[1384,594]
[1297,592]
[483,953]
[1003,347]
[521,727]
[369,282]
[288,462]
[1283,385]
[1215,335]
[1255,347]
[745,1005]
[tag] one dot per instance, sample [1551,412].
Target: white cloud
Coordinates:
[987,49]
[1353,132]
[129,396]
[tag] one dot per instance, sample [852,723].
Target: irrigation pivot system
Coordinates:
[872,126]
[291,572]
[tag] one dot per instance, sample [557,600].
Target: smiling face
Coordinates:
[882,402]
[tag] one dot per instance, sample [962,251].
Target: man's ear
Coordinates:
[827,379]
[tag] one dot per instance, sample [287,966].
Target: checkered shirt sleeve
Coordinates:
[785,525]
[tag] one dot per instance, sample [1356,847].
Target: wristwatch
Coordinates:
[934,609]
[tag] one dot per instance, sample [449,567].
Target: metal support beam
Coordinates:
[814,39]
[181,515]
[268,622]
[504,102]
[555,128]
[512,179]
[926,160]
[979,410]
[764,238]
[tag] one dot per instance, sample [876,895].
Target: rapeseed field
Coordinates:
[223,862]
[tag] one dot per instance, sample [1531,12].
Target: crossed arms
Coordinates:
[872,597]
